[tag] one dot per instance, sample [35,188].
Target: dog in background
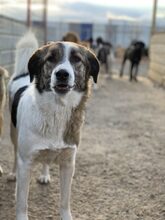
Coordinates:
[73,37]
[48,95]
[134,54]
[3,75]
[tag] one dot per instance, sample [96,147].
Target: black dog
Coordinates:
[134,54]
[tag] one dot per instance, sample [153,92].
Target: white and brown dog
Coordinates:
[48,94]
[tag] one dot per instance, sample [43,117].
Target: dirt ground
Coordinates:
[120,167]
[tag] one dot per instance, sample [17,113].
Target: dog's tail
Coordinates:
[24,49]
[21,79]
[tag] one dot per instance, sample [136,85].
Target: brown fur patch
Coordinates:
[73,128]
[72,37]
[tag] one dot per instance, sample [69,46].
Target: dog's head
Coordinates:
[63,66]
[139,44]
[71,37]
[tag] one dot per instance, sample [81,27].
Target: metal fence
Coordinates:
[10,31]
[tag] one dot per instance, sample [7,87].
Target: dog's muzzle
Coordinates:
[62,82]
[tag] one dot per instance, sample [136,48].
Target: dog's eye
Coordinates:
[76,59]
[51,58]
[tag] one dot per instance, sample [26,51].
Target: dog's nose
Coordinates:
[62,75]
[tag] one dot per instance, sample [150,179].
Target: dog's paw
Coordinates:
[22,216]
[1,171]
[44,179]
[66,215]
[135,79]
[11,177]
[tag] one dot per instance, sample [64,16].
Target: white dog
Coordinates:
[48,94]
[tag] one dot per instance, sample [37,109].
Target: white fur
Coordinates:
[41,123]
[65,65]
[25,48]
[22,56]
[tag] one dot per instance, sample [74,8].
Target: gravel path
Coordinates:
[120,168]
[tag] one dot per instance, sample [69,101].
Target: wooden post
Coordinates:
[153,27]
[45,2]
[28,13]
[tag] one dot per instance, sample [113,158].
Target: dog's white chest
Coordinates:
[51,125]
[45,121]
[48,125]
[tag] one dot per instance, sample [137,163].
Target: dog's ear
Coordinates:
[37,61]
[94,65]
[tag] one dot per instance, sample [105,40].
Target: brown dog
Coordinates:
[73,37]
[3,76]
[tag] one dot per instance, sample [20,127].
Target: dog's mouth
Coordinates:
[63,88]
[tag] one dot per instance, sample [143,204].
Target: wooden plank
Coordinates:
[156,77]
[158,68]
[157,48]
[158,38]
[157,58]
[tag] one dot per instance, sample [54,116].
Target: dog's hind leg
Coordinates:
[131,71]
[13,135]
[45,176]
[136,72]
[122,66]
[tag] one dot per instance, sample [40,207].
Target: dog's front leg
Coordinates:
[22,188]
[66,174]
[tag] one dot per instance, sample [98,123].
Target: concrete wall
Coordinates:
[10,32]
[157,59]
